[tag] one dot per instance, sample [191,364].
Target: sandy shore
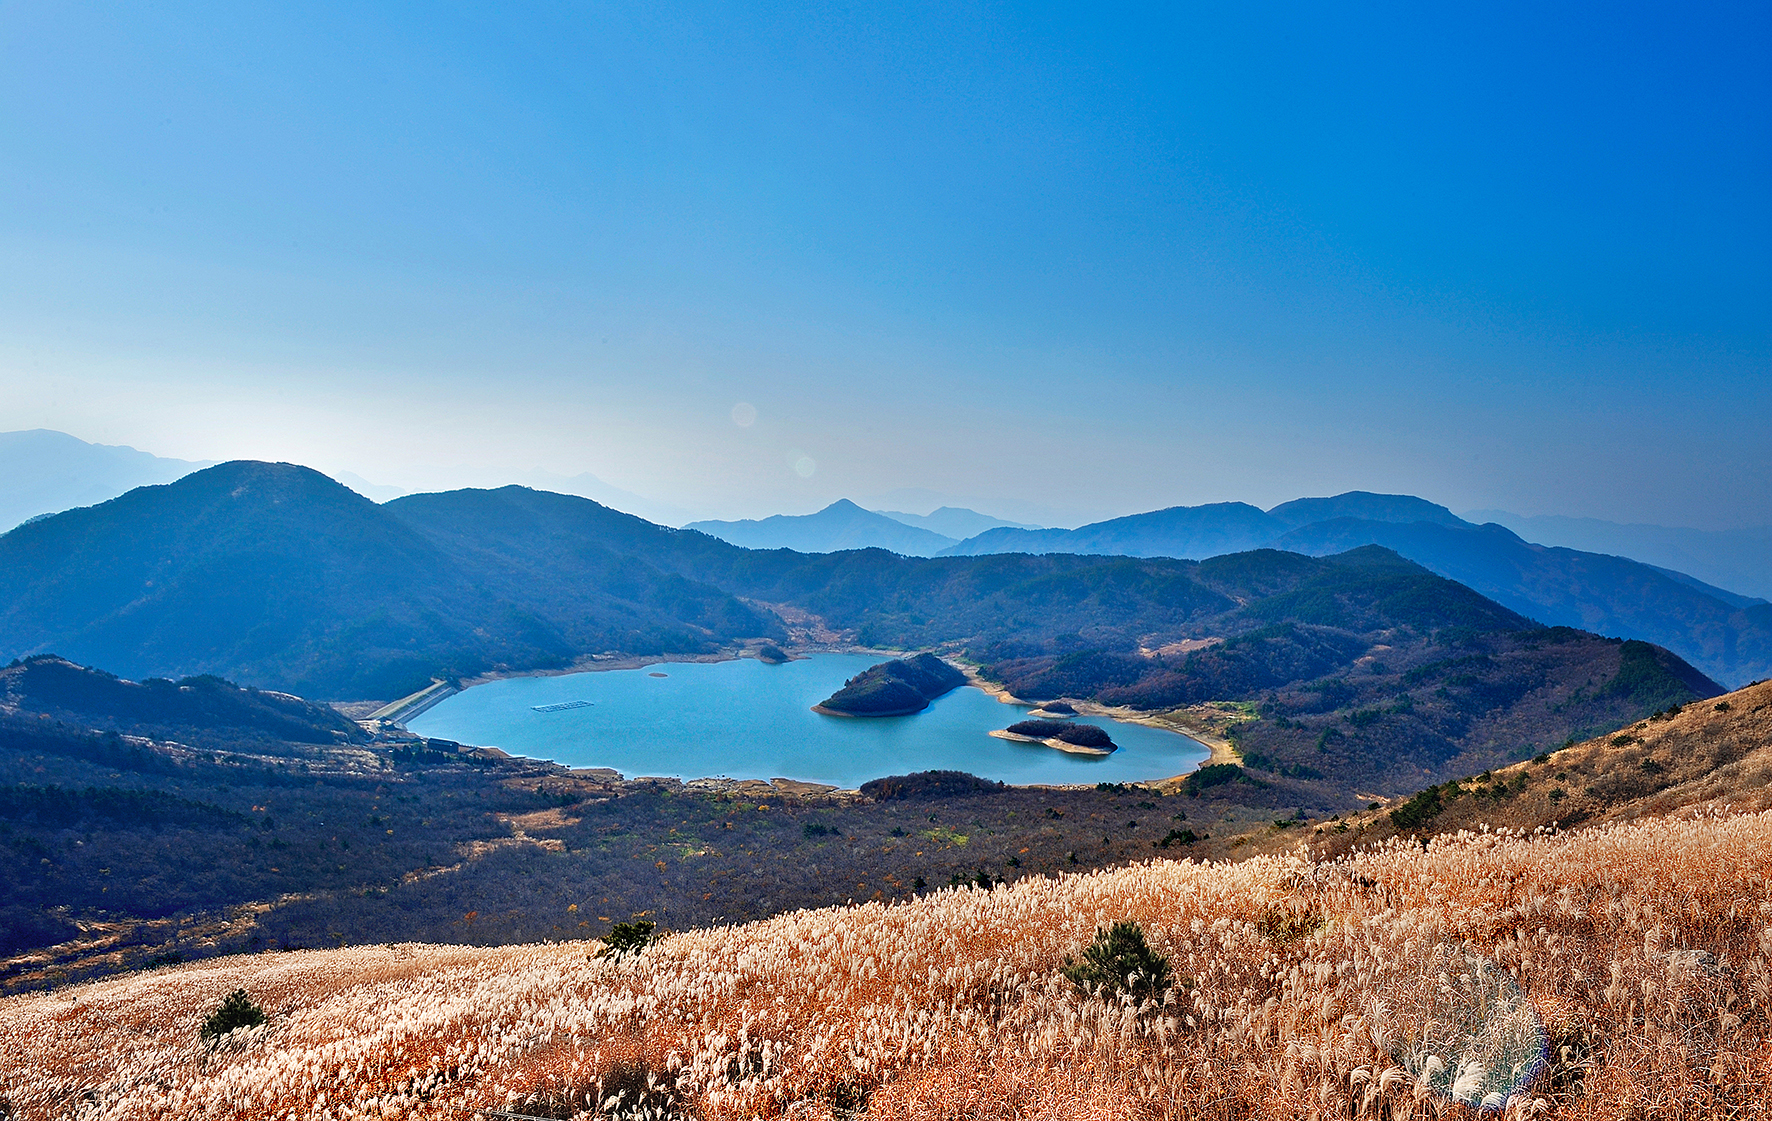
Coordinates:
[1054,742]
[1220,747]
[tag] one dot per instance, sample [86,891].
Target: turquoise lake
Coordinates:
[745,719]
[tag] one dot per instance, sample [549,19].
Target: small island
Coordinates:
[896,688]
[1079,739]
[771,655]
[1056,708]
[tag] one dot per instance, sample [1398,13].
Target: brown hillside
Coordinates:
[1614,972]
[1709,755]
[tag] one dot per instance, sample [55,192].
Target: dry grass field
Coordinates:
[1619,971]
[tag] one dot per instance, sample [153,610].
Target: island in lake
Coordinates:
[896,688]
[1081,739]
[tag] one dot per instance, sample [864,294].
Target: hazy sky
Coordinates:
[1095,259]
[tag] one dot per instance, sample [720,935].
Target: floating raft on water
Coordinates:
[561,706]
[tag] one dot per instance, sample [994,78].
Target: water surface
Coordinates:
[745,719]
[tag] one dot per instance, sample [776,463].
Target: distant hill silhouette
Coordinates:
[1193,532]
[192,708]
[1404,508]
[955,522]
[46,472]
[1727,635]
[276,575]
[841,525]
[1738,559]
[1365,664]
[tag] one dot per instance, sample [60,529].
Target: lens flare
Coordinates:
[1461,1025]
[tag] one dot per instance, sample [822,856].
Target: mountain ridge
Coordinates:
[841,525]
[1738,559]
[278,576]
[275,576]
[47,472]
[1726,634]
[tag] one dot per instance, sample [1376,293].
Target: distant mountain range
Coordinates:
[1726,634]
[401,565]
[45,472]
[844,525]
[278,577]
[956,522]
[1739,559]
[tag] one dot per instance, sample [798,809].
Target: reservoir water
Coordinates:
[746,719]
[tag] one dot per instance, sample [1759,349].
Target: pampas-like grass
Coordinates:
[1638,954]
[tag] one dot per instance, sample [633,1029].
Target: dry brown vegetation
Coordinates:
[1483,962]
[1711,753]
[1631,958]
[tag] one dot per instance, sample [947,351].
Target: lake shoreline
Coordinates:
[1220,747]
[1217,751]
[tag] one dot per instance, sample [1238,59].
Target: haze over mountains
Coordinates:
[1725,633]
[47,472]
[845,525]
[1737,559]
[276,576]
[841,525]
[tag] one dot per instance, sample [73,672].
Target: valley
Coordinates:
[1371,723]
[931,562]
[1635,948]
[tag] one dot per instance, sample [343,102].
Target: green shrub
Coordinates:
[1217,774]
[236,1011]
[628,938]
[1119,961]
[1418,810]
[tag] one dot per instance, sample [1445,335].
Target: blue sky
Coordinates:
[1081,259]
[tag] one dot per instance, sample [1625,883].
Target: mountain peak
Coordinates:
[47,471]
[841,525]
[1364,504]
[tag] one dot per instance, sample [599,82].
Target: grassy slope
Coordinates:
[1715,754]
[1642,949]
[1641,941]
[355,842]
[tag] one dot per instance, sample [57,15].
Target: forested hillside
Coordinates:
[276,576]
[1728,636]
